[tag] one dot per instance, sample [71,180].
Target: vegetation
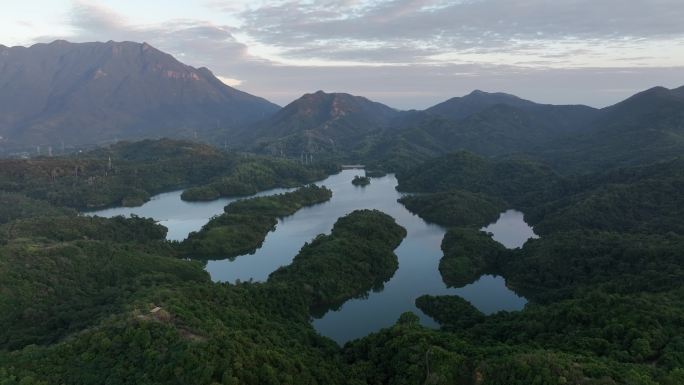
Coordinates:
[452,312]
[253,176]
[515,181]
[171,324]
[357,255]
[129,173]
[408,353]
[558,265]
[15,206]
[87,300]
[74,228]
[361,181]
[468,254]
[455,208]
[245,223]
[608,260]
[60,275]
[375,173]
[645,199]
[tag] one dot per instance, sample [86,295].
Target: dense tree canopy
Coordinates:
[88,300]
[129,173]
[245,223]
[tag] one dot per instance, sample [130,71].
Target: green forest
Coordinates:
[128,173]
[90,300]
[245,223]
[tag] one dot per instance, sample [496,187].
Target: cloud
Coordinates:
[229,81]
[88,17]
[201,43]
[415,29]
[414,53]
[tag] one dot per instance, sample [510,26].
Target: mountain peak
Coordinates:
[59,42]
[499,96]
[647,99]
[655,91]
[478,93]
[334,102]
[319,122]
[477,101]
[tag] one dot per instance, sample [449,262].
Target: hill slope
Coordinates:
[461,107]
[487,124]
[95,92]
[319,122]
[645,128]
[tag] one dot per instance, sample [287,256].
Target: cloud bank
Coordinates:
[414,53]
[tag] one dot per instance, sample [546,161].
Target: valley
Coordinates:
[378,274]
[191,233]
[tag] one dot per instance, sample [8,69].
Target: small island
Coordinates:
[361,181]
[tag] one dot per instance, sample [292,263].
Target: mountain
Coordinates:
[643,108]
[477,101]
[490,124]
[95,92]
[319,122]
[512,179]
[551,117]
[645,128]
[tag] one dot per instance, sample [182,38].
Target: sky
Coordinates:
[404,53]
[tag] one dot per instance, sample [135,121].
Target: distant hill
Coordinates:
[550,117]
[64,94]
[319,123]
[511,180]
[491,124]
[645,128]
[477,101]
[97,92]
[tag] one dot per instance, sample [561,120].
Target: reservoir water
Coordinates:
[419,253]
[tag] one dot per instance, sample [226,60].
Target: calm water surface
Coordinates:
[180,217]
[510,229]
[418,254]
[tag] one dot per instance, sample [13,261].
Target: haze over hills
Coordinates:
[461,107]
[95,92]
[490,124]
[645,128]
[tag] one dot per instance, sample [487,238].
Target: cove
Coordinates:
[418,254]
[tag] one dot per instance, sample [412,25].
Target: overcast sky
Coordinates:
[405,53]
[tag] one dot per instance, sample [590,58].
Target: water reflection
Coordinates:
[180,217]
[510,229]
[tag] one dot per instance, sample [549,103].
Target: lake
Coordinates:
[419,253]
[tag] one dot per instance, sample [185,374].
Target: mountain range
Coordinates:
[93,93]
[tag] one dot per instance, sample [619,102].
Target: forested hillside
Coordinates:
[603,277]
[88,300]
[573,139]
[128,173]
